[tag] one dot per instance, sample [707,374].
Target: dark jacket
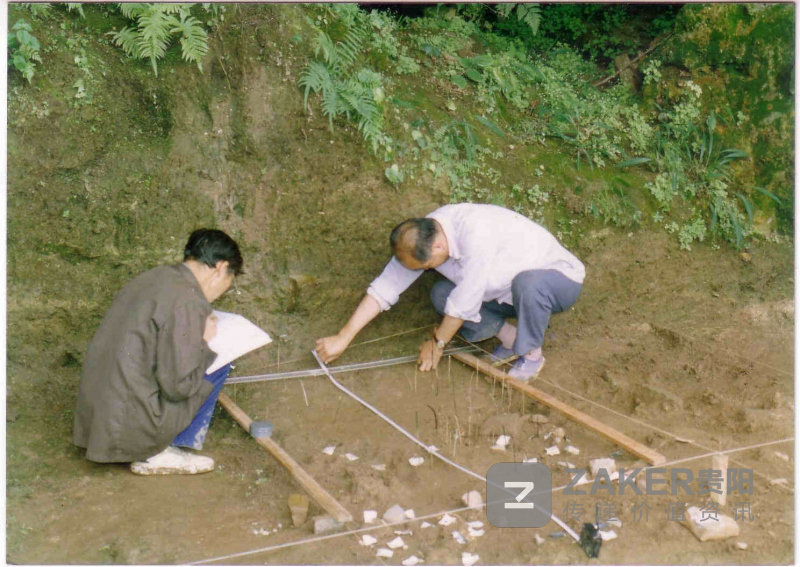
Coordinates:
[142,380]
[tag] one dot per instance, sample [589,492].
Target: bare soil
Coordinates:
[699,345]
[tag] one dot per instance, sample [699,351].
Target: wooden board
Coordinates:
[319,494]
[631,445]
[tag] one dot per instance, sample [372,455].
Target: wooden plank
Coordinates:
[630,445]
[319,494]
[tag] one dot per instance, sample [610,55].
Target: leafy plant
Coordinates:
[23,49]
[155,26]
[356,94]
[530,14]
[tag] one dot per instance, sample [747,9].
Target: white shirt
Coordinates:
[489,246]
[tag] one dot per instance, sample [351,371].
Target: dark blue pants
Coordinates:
[194,435]
[536,295]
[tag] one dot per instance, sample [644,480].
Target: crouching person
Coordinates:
[144,391]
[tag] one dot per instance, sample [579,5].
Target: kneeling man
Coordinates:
[144,391]
[498,264]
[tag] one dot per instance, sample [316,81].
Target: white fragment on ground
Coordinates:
[368,540]
[572,450]
[475,533]
[261,531]
[416,461]
[503,440]
[607,535]
[383,552]
[473,499]
[531,460]
[431,449]
[782,456]
[379,467]
[709,529]
[409,514]
[411,561]
[446,520]
[396,542]
[350,457]
[403,532]
[781,481]
[468,559]
[394,514]
[329,450]
[608,464]
[424,525]
[538,539]
[548,435]
[459,538]
[498,448]
[476,525]
[616,522]
[741,545]
[370,516]
[554,450]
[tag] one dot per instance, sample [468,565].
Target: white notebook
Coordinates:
[236,336]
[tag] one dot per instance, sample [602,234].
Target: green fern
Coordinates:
[36,9]
[531,14]
[194,39]
[74,7]
[155,26]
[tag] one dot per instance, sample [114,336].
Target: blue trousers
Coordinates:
[194,435]
[536,294]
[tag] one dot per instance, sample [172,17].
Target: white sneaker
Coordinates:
[173,461]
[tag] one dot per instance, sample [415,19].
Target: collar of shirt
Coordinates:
[449,234]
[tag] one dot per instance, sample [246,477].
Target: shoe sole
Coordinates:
[533,377]
[157,471]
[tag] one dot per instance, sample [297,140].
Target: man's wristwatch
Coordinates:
[440,344]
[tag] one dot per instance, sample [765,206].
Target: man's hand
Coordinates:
[330,348]
[429,356]
[211,328]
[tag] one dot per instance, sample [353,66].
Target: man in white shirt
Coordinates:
[498,264]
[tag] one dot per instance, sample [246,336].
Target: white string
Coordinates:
[458,510]
[429,448]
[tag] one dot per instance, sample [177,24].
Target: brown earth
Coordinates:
[697,344]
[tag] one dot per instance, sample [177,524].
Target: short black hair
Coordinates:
[424,232]
[209,246]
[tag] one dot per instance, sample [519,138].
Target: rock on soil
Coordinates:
[710,530]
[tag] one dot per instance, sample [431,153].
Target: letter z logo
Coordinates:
[519,504]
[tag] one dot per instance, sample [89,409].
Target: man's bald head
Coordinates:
[413,238]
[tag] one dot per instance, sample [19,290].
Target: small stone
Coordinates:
[446,520]
[616,522]
[538,539]
[710,529]
[409,514]
[476,525]
[350,457]
[379,467]
[475,533]
[468,559]
[503,440]
[554,450]
[329,450]
[782,456]
[383,552]
[396,542]
[370,516]
[531,460]
[459,538]
[608,535]
[298,506]
[606,463]
[780,481]
[411,561]
[325,525]
[416,461]
[473,499]
[367,540]
[572,450]
[741,545]
[394,514]
[539,418]
[403,532]
[424,525]
[559,434]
